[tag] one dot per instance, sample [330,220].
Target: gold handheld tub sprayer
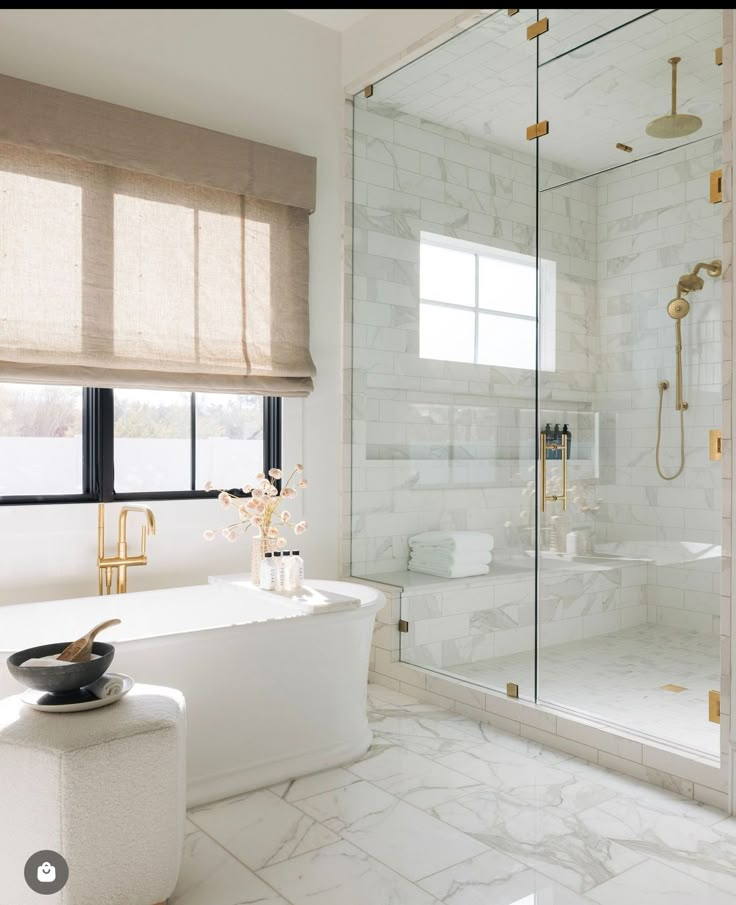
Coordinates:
[678,309]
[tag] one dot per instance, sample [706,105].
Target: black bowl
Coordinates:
[59,679]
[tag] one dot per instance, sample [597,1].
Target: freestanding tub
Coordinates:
[272,693]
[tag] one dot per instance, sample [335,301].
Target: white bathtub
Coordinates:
[271,693]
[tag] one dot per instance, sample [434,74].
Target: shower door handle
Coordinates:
[544,448]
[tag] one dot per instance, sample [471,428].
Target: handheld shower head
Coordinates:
[678,308]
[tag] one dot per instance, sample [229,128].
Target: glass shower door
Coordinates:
[444,351]
[629,543]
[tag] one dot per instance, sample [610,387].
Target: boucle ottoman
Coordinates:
[102,788]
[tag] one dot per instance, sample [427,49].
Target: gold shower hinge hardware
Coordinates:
[368,91]
[714,446]
[622,147]
[511,12]
[714,706]
[537,130]
[512,689]
[537,28]
[403,625]
[719,56]
[716,186]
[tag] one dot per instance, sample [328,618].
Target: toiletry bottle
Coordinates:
[277,571]
[557,438]
[268,573]
[283,569]
[568,433]
[288,563]
[297,566]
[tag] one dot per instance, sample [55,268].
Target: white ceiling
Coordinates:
[337,19]
[595,95]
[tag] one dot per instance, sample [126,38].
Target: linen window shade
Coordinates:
[188,271]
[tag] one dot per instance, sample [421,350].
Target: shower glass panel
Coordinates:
[444,348]
[572,29]
[629,569]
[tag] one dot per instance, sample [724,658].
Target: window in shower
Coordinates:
[478,304]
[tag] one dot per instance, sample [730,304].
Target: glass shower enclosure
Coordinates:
[536,341]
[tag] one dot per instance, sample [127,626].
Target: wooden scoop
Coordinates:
[80,651]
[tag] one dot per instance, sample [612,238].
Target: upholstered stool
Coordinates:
[104,789]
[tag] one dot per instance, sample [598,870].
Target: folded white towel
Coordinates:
[453,540]
[449,571]
[441,556]
[106,687]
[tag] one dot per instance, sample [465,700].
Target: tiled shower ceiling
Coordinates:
[593,94]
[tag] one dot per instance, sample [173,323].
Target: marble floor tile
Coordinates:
[623,673]
[401,836]
[527,781]
[211,876]
[651,883]
[342,874]
[414,778]
[261,829]
[306,786]
[496,879]
[556,844]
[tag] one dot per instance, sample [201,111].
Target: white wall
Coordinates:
[262,74]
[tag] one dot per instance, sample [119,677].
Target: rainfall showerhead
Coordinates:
[674,124]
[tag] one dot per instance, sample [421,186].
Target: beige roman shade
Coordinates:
[142,252]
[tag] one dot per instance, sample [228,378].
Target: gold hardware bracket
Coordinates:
[716,186]
[368,91]
[512,689]
[537,130]
[714,445]
[676,688]
[719,56]
[714,706]
[622,147]
[537,28]
[511,12]
[403,625]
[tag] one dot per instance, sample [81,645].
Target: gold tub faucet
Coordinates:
[121,562]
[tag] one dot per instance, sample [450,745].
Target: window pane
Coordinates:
[152,441]
[446,333]
[229,439]
[40,440]
[446,275]
[504,285]
[506,341]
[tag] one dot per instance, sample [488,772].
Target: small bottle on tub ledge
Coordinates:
[268,573]
[297,570]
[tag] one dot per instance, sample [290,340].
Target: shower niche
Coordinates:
[528,199]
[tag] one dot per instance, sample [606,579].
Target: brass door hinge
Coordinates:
[714,445]
[511,12]
[512,689]
[716,186]
[537,28]
[714,706]
[368,91]
[719,56]
[403,625]
[537,130]
[622,147]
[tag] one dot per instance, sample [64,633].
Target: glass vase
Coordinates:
[260,545]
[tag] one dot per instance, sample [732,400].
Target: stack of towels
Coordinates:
[451,554]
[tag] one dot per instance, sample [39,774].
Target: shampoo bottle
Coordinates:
[268,573]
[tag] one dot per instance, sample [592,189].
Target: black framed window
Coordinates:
[71,444]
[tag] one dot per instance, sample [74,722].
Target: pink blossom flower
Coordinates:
[274,473]
[208,485]
[246,488]
[256,520]
[288,493]
[272,491]
[281,542]
[224,498]
[300,527]
[299,467]
[303,483]
[209,534]
[285,515]
[260,476]
[231,536]
[257,494]
[272,532]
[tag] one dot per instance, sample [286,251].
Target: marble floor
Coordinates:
[618,678]
[444,810]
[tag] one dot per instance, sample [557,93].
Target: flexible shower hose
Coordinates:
[669,477]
